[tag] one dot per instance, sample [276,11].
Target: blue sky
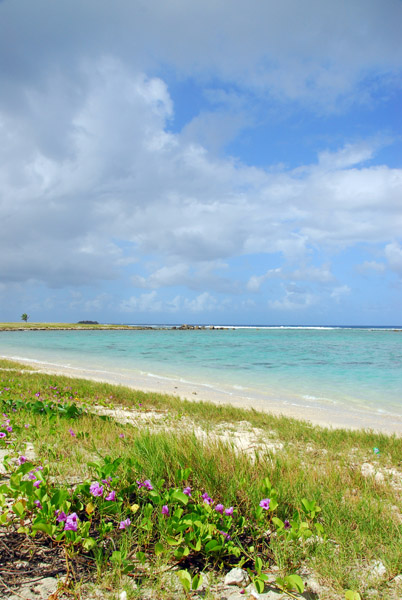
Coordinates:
[204,162]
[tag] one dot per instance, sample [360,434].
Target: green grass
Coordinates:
[361,516]
[30,325]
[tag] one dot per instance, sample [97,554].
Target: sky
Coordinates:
[201,162]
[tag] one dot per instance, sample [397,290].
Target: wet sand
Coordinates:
[326,416]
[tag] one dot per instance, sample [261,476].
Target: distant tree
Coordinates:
[24,317]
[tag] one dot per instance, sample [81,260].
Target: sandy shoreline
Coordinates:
[327,416]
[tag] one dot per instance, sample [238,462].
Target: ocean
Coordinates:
[345,369]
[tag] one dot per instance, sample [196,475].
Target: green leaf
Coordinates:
[259,585]
[89,543]
[294,582]
[197,581]
[173,542]
[116,557]
[258,565]
[278,522]
[141,557]
[213,546]
[18,508]
[45,527]
[185,580]
[178,495]
[351,595]
[158,549]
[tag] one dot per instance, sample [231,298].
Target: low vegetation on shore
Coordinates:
[146,494]
[24,325]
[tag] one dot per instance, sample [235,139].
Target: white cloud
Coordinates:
[126,180]
[143,303]
[255,282]
[295,299]
[339,292]
[320,274]
[393,254]
[371,265]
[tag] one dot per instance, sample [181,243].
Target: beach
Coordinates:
[329,376]
[324,416]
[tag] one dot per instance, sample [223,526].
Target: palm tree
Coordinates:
[24,317]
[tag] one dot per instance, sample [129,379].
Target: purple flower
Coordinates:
[229,511]
[21,460]
[37,483]
[2,434]
[31,475]
[206,498]
[37,394]
[165,510]
[146,484]
[61,516]
[71,432]
[26,425]
[111,497]
[40,468]
[121,435]
[187,491]
[286,524]
[225,535]
[107,481]
[125,524]
[96,489]
[265,503]
[219,508]
[38,504]
[9,429]
[71,523]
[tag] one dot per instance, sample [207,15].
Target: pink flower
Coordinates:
[26,425]
[121,435]
[265,503]
[61,516]
[125,524]
[111,497]
[229,511]
[37,483]
[2,434]
[146,484]
[206,498]
[219,508]
[225,535]
[96,489]
[38,504]
[21,460]
[165,510]
[9,429]
[71,523]
[187,491]
[71,432]
[31,475]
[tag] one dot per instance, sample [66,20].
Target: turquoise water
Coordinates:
[346,367]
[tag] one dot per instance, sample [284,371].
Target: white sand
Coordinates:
[319,414]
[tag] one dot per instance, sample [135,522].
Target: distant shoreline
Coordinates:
[82,326]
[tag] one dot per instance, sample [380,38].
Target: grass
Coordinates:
[25,325]
[361,516]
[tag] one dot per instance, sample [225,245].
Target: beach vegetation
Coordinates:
[24,317]
[148,502]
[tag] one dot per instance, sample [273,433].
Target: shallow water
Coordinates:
[342,368]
